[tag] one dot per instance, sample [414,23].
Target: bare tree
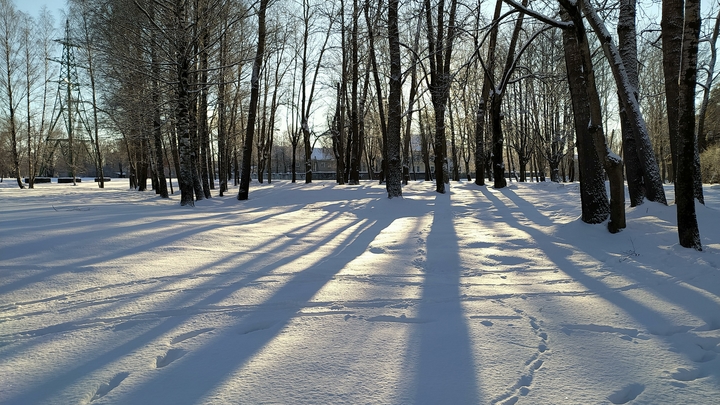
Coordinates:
[707,86]
[307,95]
[41,76]
[394,161]
[440,48]
[11,68]
[681,35]
[244,192]
[489,68]
[627,46]
[593,153]
[646,155]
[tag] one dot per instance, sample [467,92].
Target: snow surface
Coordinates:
[327,294]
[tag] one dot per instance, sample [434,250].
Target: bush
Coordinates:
[710,164]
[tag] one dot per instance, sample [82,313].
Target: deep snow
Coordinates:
[327,294]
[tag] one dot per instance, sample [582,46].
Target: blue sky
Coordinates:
[32,7]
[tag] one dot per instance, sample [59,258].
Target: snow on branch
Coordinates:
[539,16]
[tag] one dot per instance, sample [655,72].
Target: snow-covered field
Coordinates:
[327,294]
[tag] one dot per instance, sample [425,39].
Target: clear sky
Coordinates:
[32,7]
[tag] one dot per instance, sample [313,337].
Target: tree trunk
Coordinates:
[162,189]
[498,163]
[651,170]
[185,176]
[688,231]
[593,153]
[394,166]
[9,33]
[485,98]
[440,49]
[376,77]
[223,152]
[407,140]
[627,46]
[202,117]
[244,191]
[337,139]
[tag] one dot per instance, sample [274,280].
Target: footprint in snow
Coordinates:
[683,374]
[105,388]
[169,357]
[626,394]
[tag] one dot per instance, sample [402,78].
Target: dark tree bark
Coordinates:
[376,78]
[651,170]
[593,153]
[244,191]
[453,146]
[496,106]
[408,153]
[337,138]
[354,177]
[627,45]
[484,98]
[688,231]
[202,111]
[394,165]
[222,141]
[185,175]
[440,49]
[162,189]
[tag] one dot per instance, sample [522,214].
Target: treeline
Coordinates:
[210,90]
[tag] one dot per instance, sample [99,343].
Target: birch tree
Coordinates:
[10,76]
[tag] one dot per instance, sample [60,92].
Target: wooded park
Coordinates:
[216,93]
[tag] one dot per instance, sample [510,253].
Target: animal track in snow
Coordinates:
[532,365]
[169,357]
[105,388]
[189,335]
[626,394]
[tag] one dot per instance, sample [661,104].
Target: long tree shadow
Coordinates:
[665,284]
[446,371]
[656,323]
[200,302]
[213,364]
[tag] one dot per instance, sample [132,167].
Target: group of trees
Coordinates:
[207,90]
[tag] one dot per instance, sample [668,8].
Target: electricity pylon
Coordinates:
[69,106]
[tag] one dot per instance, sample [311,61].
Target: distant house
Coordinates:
[323,160]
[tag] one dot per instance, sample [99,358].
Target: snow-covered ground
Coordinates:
[327,294]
